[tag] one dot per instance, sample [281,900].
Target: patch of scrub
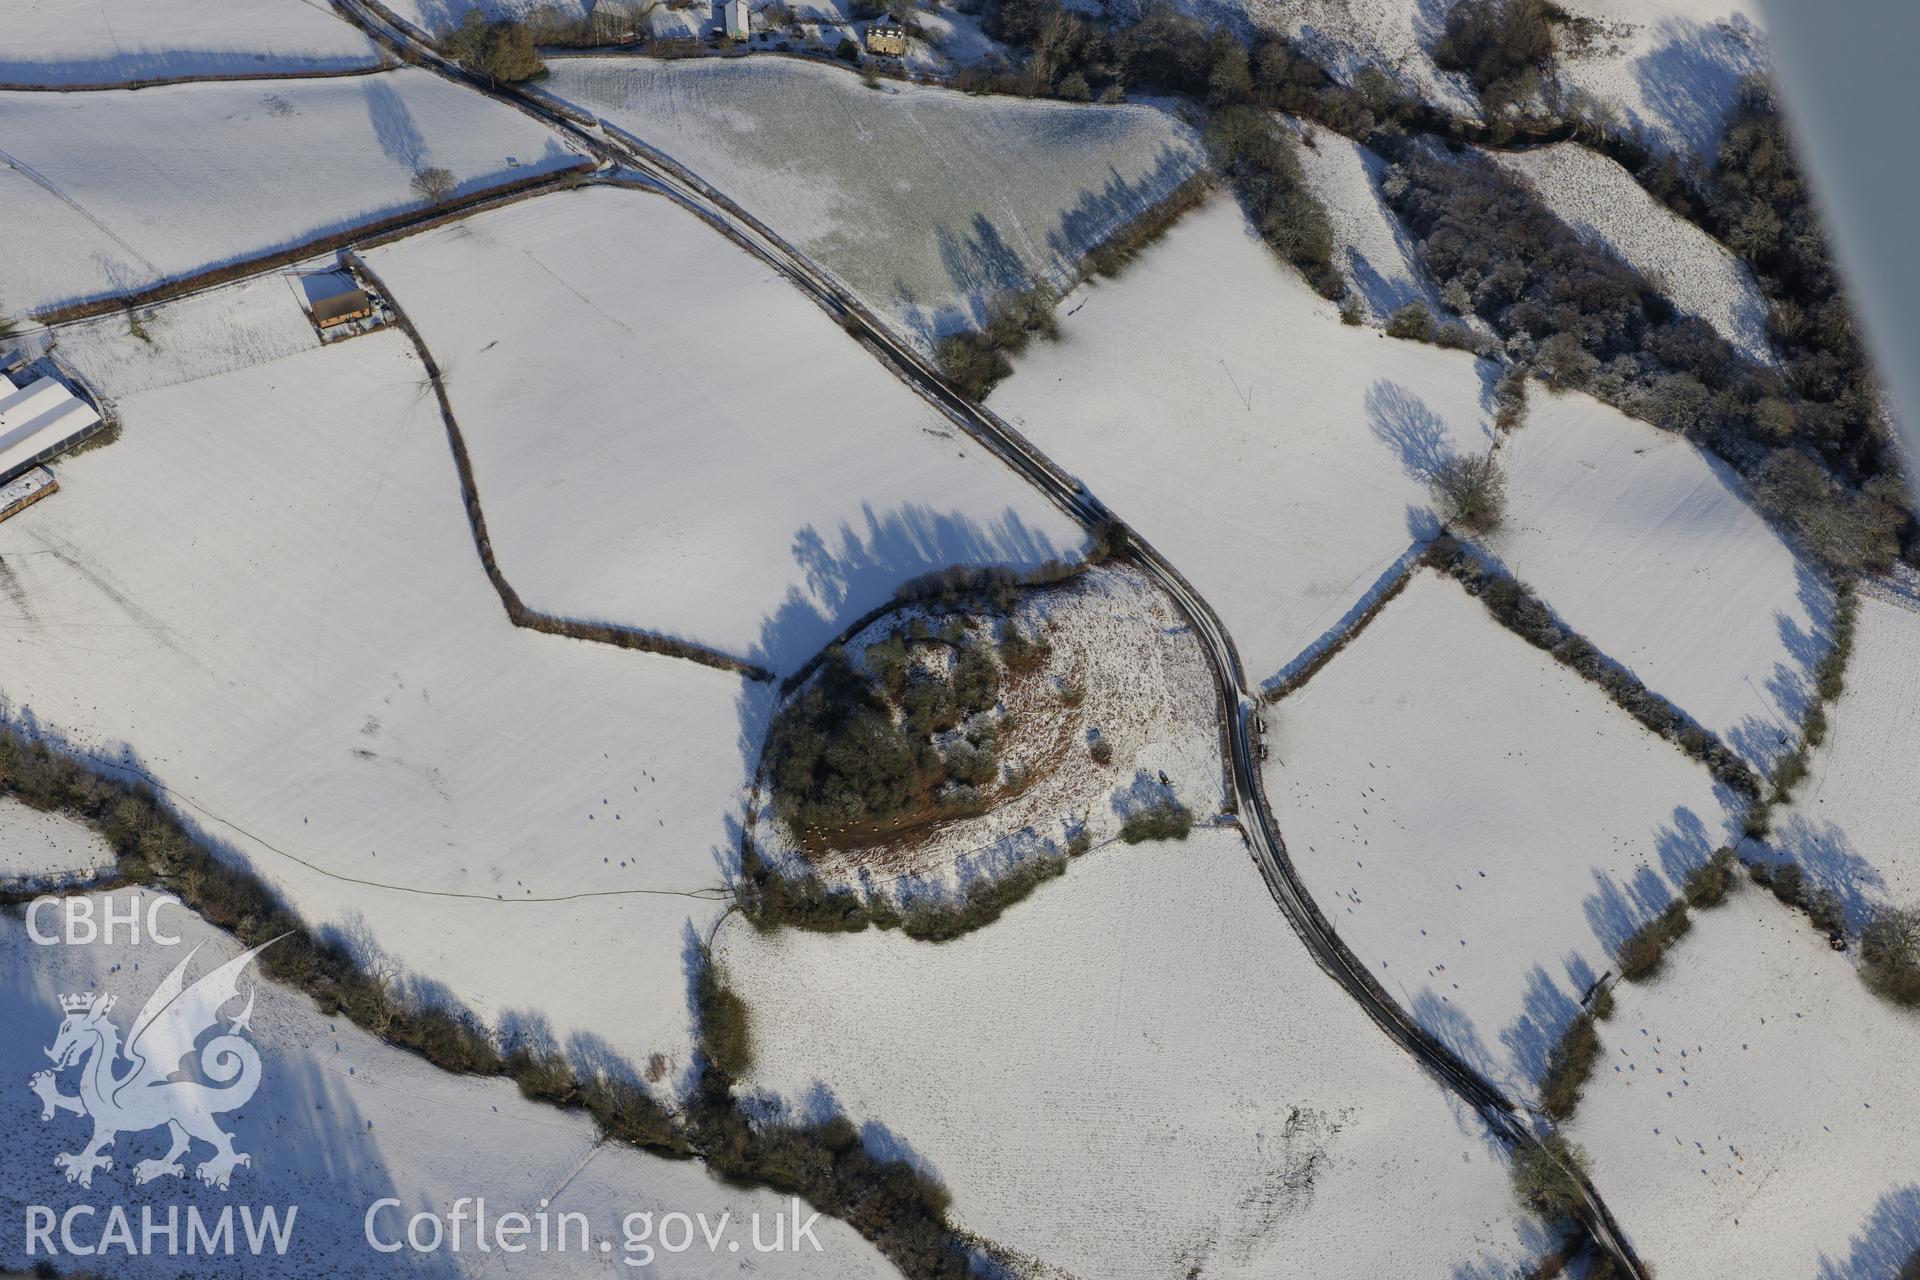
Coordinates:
[1601,201]
[1348,36]
[1374,252]
[1121,699]
[1670,69]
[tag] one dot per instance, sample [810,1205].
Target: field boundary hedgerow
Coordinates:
[1830,680]
[133,775]
[1329,646]
[210,77]
[1514,606]
[366,235]
[518,612]
[976,360]
[1571,1061]
[900,1208]
[1642,957]
[773,898]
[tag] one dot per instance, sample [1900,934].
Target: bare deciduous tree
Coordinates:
[1545,1177]
[1472,491]
[432,184]
[1890,954]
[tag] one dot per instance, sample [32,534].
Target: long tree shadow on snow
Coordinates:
[1827,856]
[1614,911]
[311,1144]
[1889,1237]
[850,572]
[1098,213]
[1694,74]
[1790,688]
[981,263]
[393,126]
[312,1116]
[1549,1003]
[1419,437]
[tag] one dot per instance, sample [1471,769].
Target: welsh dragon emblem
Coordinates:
[146,1094]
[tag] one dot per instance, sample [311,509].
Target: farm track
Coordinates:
[649,169]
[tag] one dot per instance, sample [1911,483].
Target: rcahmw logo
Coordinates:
[135,1087]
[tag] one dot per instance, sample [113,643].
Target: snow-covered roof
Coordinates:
[341,306]
[37,420]
[21,490]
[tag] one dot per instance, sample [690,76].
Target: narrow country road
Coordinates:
[653,170]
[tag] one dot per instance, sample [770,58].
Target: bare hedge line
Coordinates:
[894,1204]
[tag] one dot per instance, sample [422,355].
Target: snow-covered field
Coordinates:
[1147,692]
[926,202]
[1138,1072]
[265,595]
[55,42]
[1669,67]
[342,1121]
[1218,405]
[1755,1112]
[115,190]
[46,846]
[1483,826]
[245,323]
[1854,823]
[1601,201]
[1375,253]
[667,434]
[1646,546]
